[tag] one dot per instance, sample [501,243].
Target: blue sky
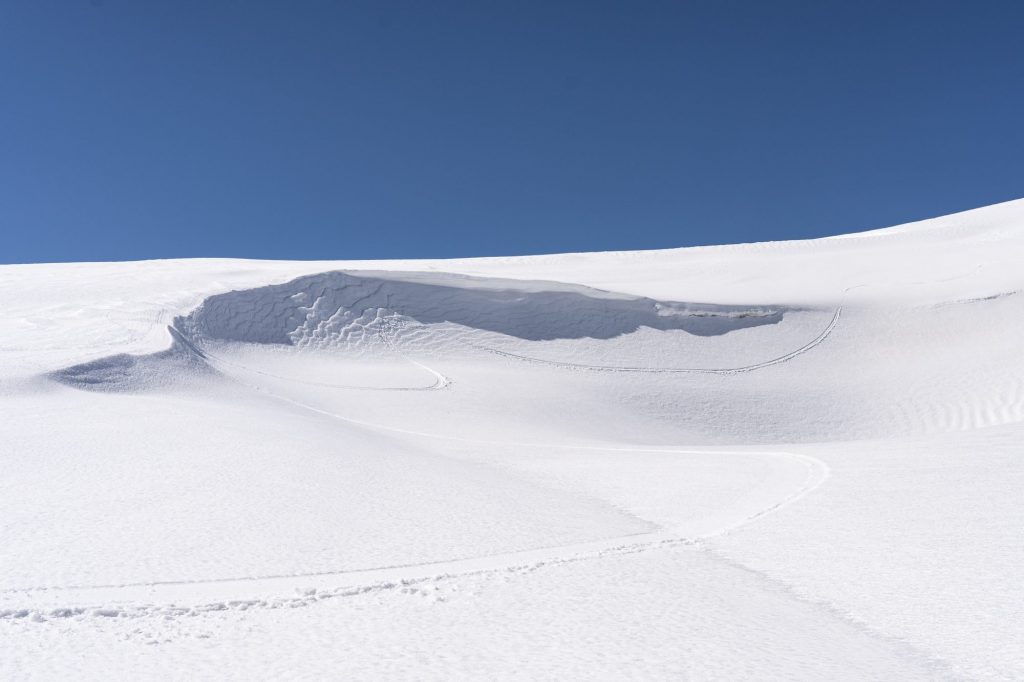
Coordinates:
[429,129]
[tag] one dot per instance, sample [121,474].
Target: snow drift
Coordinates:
[363,312]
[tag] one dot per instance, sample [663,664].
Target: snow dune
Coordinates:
[792,460]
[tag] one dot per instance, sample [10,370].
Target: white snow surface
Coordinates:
[789,460]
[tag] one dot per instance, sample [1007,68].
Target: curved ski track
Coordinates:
[137,599]
[679,370]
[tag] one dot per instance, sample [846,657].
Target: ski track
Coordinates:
[440,380]
[677,370]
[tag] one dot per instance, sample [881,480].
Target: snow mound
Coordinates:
[370,313]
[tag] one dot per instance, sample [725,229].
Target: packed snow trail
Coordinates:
[175,593]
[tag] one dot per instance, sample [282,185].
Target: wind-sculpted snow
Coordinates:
[344,307]
[370,313]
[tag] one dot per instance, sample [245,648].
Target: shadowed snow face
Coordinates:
[362,311]
[334,304]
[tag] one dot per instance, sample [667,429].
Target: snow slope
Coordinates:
[791,460]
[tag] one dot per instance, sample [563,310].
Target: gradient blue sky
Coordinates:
[422,129]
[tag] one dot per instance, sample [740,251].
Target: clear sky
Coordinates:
[424,129]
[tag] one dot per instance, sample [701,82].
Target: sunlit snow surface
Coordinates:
[794,460]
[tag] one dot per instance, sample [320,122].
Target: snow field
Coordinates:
[771,461]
